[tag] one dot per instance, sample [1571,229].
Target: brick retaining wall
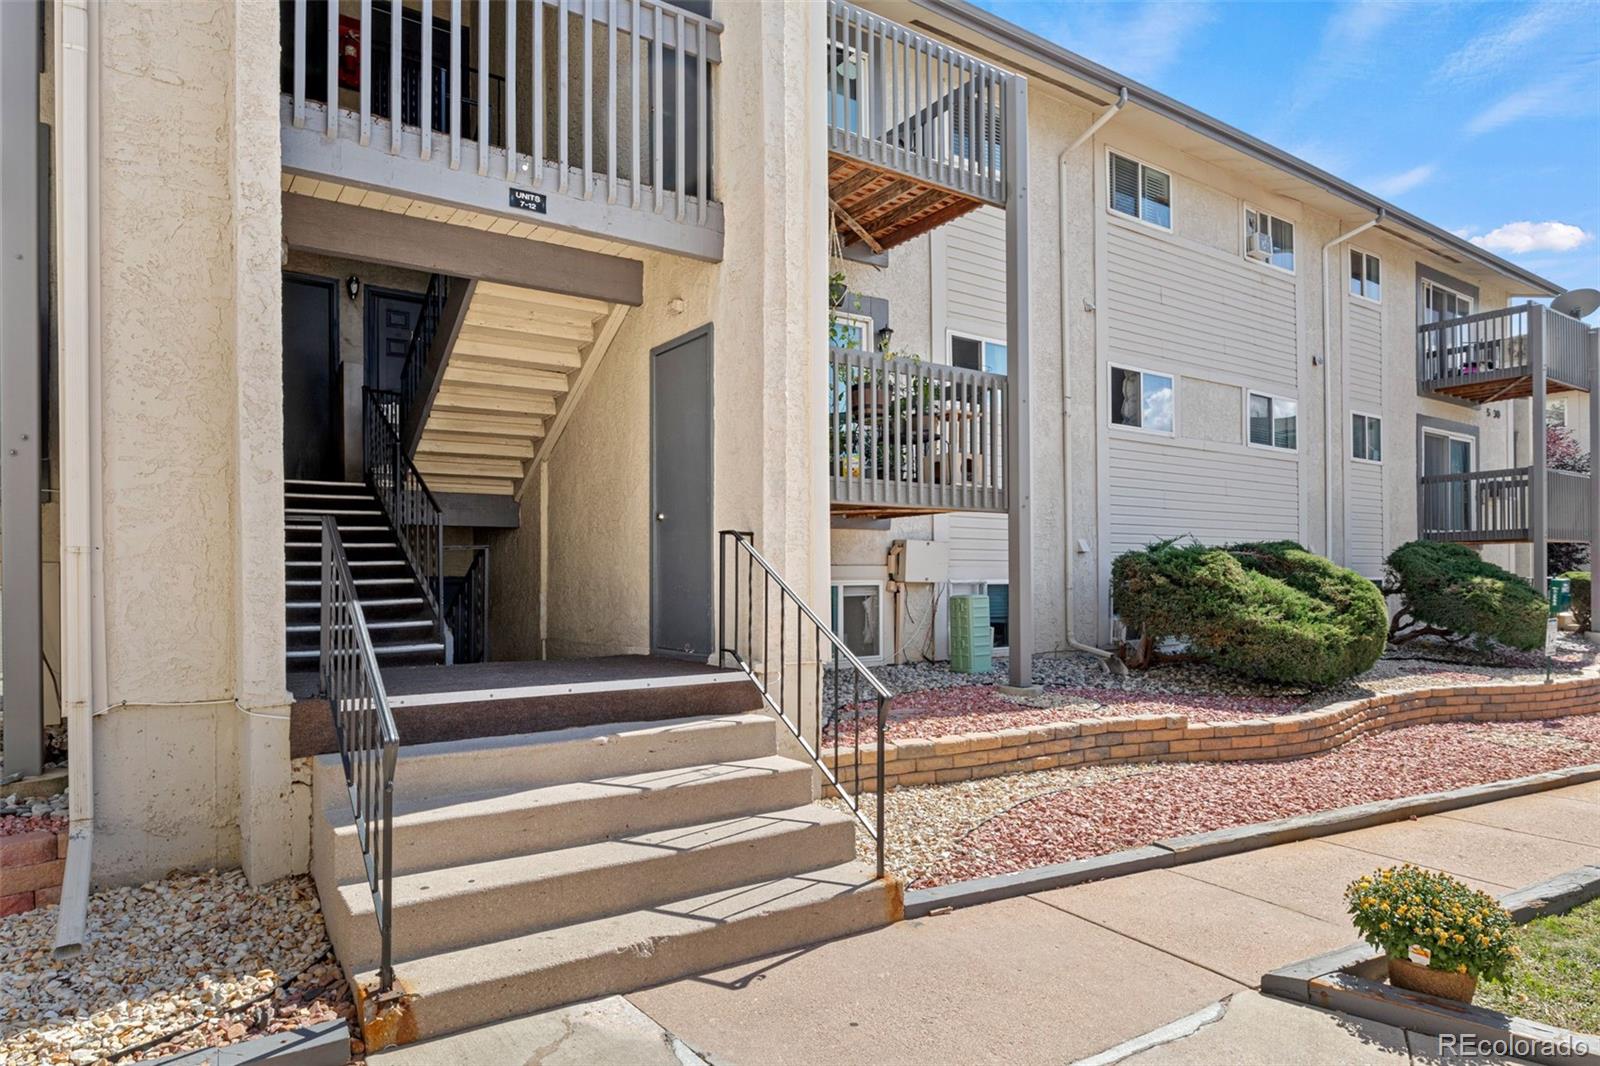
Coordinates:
[31,868]
[1173,738]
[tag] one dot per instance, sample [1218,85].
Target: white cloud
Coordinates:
[1533,100]
[1140,40]
[1403,182]
[1520,238]
[1503,43]
[1344,50]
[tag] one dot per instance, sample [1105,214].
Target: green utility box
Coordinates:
[1560,595]
[971,636]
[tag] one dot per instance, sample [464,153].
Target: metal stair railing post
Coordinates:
[468,611]
[369,742]
[421,341]
[407,503]
[754,656]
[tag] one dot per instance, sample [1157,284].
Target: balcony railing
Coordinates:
[1488,355]
[903,100]
[1492,506]
[604,101]
[905,435]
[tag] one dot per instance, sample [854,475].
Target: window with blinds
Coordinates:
[1140,192]
[1272,422]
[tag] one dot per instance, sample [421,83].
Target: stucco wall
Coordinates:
[191,765]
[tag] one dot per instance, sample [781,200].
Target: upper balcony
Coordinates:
[916,130]
[590,116]
[1495,355]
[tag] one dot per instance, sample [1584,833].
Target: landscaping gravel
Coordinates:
[24,814]
[944,833]
[933,701]
[204,956]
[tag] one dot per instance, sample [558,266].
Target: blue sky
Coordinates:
[1483,118]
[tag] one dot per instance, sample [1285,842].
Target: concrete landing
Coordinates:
[604,1032]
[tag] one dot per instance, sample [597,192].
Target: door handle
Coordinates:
[661,516]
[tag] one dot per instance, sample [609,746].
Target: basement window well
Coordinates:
[858,619]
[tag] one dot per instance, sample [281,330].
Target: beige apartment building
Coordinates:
[434,385]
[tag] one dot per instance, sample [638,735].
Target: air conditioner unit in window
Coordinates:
[1256,247]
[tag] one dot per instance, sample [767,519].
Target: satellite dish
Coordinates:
[1579,303]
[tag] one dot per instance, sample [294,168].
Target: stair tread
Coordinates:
[316,627]
[400,601]
[410,811]
[378,647]
[463,881]
[634,932]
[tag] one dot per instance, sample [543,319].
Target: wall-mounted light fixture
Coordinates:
[352,286]
[885,335]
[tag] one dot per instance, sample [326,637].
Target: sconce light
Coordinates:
[352,285]
[885,335]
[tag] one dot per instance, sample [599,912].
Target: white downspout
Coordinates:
[1114,664]
[1330,439]
[77,178]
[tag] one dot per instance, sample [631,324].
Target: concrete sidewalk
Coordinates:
[1066,974]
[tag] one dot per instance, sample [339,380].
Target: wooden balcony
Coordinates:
[1493,355]
[582,117]
[916,131]
[907,437]
[1495,506]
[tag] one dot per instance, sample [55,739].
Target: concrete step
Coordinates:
[449,909]
[433,834]
[486,765]
[626,952]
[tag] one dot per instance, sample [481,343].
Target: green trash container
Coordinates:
[1560,595]
[971,637]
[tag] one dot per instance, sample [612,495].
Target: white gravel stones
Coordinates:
[160,957]
[38,806]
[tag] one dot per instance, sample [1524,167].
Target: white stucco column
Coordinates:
[271,840]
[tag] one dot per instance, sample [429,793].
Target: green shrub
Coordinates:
[1447,590]
[1270,611]
[1582,593]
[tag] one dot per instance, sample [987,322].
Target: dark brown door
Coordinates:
[311,423]
[391,316]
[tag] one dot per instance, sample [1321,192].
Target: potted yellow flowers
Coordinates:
[1440,935]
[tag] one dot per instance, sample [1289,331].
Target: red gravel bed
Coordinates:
[1180,799]
[13,824]
[979,709]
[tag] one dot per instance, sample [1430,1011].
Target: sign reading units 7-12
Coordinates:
[528,201]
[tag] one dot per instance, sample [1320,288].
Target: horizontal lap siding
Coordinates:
[1201,312]
[1364,504]
[977,546]
[1162,488]
[975,275]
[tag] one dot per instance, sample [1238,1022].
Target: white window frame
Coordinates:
[1557,404]
[1362,295]
[950,336]
[865,321]
[1276,449]
[1472,462]
[1111,402]
[1172,211]
[1370,417]
[982,589]
[885,636]
[1429,284]
[1244,239]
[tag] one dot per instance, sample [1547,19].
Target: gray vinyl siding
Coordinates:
[975,275]
[1363,482]
[1196,313]
[1196,309]
[1160,488]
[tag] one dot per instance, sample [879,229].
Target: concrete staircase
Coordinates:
[537,870]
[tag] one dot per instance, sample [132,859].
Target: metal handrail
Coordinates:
[467,613]
[417,348]
[734,545]
[407,503]
[369,742]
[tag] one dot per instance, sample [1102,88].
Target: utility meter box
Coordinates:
[922,562]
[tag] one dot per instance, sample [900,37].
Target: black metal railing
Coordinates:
[410,508]
[368,739]
[467,610]
[414,372]
[805,674]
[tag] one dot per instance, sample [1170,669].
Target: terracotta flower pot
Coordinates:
[1406,974]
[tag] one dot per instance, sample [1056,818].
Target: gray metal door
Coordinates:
[681,543]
